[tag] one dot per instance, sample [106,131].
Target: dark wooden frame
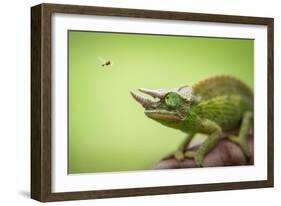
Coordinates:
[41,101]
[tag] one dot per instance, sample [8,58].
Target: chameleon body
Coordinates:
[212,106]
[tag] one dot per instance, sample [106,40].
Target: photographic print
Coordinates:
[129,102]
[148,101]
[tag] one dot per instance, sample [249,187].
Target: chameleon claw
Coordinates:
[179,155]
[242,143]
[199,160]
[190,154]
[197,157]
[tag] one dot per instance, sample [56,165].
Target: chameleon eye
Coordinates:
[172,100]
[167,99]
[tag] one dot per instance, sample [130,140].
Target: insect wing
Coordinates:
[101,59]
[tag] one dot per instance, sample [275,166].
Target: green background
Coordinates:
[108,130]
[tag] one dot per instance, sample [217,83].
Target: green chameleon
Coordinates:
[212,106]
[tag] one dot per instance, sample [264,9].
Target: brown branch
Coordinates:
[225,153]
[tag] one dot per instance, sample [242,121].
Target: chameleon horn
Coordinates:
[145,102]
[154,93]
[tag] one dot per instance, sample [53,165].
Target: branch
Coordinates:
[225,153]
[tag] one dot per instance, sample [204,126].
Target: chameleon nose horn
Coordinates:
[154,93]
[144,101]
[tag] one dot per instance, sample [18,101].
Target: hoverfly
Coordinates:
[105,63]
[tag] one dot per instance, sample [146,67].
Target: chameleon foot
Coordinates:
[242,139]
[179,155]
[242,143]
[198,158]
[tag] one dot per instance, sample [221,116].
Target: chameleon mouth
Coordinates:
[163,115]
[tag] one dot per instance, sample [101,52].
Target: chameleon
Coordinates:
[212,106]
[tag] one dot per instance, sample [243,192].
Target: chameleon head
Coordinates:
[165,105]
